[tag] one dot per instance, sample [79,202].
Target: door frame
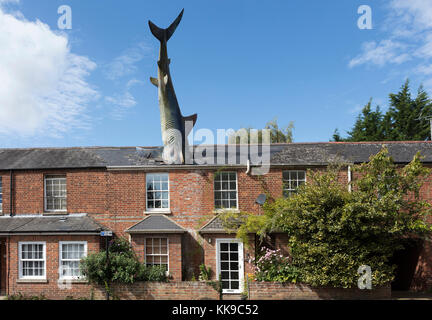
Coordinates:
[240,260]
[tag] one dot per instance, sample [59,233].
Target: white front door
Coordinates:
[230,264]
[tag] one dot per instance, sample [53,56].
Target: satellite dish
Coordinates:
[261,199]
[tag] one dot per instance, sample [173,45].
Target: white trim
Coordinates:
[240,261]
[158,210]
[60,259]
[218,210]
[21,277]
[45,195]
[168,250]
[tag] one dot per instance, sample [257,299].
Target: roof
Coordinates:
[156,224]
[31,224]
[216,225]
[295,154]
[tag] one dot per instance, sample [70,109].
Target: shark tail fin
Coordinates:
[193,119]
[165,34]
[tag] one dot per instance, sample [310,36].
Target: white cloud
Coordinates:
[386,51]
[43,87]
[123,102]
[408,37]
[125,64]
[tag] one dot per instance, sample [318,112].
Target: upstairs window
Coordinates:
[1,196]
[225,190]
[292,180]
[157,192]
[55,193]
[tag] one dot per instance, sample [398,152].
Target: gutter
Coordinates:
[49,233]
[155,231]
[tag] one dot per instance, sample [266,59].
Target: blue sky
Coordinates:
[235,63]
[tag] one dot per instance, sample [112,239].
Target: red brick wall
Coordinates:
[162,291]
[289,291]
[50,288]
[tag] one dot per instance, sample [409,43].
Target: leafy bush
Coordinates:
[124,266]
[205,273]
[273,266]
[332,232]
[152,273]
[20,296]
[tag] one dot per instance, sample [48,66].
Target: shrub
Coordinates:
[152,273]
[273,266]
[205,273]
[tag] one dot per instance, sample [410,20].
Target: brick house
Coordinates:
[55,202]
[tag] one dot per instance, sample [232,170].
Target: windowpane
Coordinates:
[292,179]
[70,257]
[157,191]
[225,190]
[156,252]
[32,260]
[55,193]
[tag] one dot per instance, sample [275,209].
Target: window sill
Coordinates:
[217,211]
[73,281]
[55,213]
[167,212]
[32,281]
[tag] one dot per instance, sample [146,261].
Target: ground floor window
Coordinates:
[230,264]
[156,252]
[32,260]
[71,254]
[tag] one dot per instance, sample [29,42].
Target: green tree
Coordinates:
[332,231]
[368,126]
[406,119]
[277,134]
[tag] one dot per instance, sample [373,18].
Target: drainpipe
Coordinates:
[349,179]
[248,167]
[11,192]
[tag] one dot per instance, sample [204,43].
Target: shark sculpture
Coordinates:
[175,128]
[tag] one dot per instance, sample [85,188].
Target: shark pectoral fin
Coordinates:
[154,81]
[166,78]
[193,119]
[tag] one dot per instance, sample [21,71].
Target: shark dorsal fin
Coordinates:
[154,81]
[193,118]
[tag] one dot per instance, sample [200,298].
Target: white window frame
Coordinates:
[1,194]
[20,260]
[240,260]
[167,254]
[283,181]
[160,210]
[237,193]
[53,177]
[61,243]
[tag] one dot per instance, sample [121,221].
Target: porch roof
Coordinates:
[157,223]
[39,224]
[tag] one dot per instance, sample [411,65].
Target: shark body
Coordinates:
[173,124]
